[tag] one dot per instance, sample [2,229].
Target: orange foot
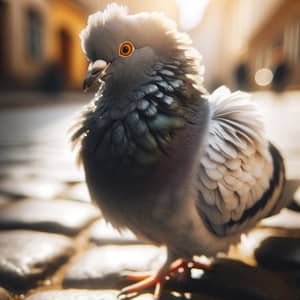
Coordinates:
[148,279]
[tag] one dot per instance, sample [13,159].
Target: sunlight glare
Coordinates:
[191,12]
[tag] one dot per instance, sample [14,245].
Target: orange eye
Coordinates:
[126,49]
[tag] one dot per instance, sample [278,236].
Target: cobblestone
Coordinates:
[75,295]
[4,295]
[4,200]
[103,233]
[31,187]
[101,295]
[61,216]
[286,219]
[78,192]
[44,171]
[27,256]
[103,266]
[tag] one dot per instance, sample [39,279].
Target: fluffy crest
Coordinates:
[115,11]
[99,18]
[145,28]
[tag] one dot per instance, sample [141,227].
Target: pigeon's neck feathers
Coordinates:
[138,131]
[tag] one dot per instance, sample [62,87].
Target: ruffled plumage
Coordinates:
[237,168]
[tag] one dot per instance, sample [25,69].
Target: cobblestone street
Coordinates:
[54,244]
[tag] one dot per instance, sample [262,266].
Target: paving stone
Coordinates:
[35,153]
[78,192]
[27,256]
[14,170]
[69,175]
[103,233]
[75,295]
[60,216]
[50,172]
[232,279]
[286,219]
[4,295]
[175,296]
[100,267]
[18,155]
[279,253]
[31,187]
[67,171]
[72,294]
[4,200]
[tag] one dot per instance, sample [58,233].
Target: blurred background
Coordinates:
[249,44]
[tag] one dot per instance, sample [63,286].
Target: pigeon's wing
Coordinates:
[241,175]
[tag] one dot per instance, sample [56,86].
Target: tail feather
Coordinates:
[283,199]
[287,196]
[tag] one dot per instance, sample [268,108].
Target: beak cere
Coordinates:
[95,71]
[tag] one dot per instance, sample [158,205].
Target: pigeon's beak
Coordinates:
[95,72]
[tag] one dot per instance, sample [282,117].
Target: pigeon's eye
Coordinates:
[126,49]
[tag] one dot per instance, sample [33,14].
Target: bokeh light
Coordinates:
[191,12]
[263,77]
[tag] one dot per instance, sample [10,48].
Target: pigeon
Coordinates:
[176,165]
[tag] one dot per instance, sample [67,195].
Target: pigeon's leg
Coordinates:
[156,280]
[179,264]
[137,275]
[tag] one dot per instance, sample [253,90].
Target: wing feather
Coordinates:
[236,170]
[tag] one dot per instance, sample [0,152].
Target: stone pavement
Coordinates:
[54,244]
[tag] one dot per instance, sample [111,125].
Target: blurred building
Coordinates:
[238,38]
[39,42]
[276,45]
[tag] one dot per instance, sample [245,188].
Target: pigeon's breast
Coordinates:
[133,133]
[146,193]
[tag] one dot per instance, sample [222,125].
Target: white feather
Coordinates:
[237,166]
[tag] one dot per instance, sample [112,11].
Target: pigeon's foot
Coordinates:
[147,279]
[154,280]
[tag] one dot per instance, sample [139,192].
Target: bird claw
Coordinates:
[122,295]
[136,288]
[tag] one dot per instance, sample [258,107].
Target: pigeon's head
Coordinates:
[123,48]
[150,87]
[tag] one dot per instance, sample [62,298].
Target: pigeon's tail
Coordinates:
[288,193]
[289,186]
